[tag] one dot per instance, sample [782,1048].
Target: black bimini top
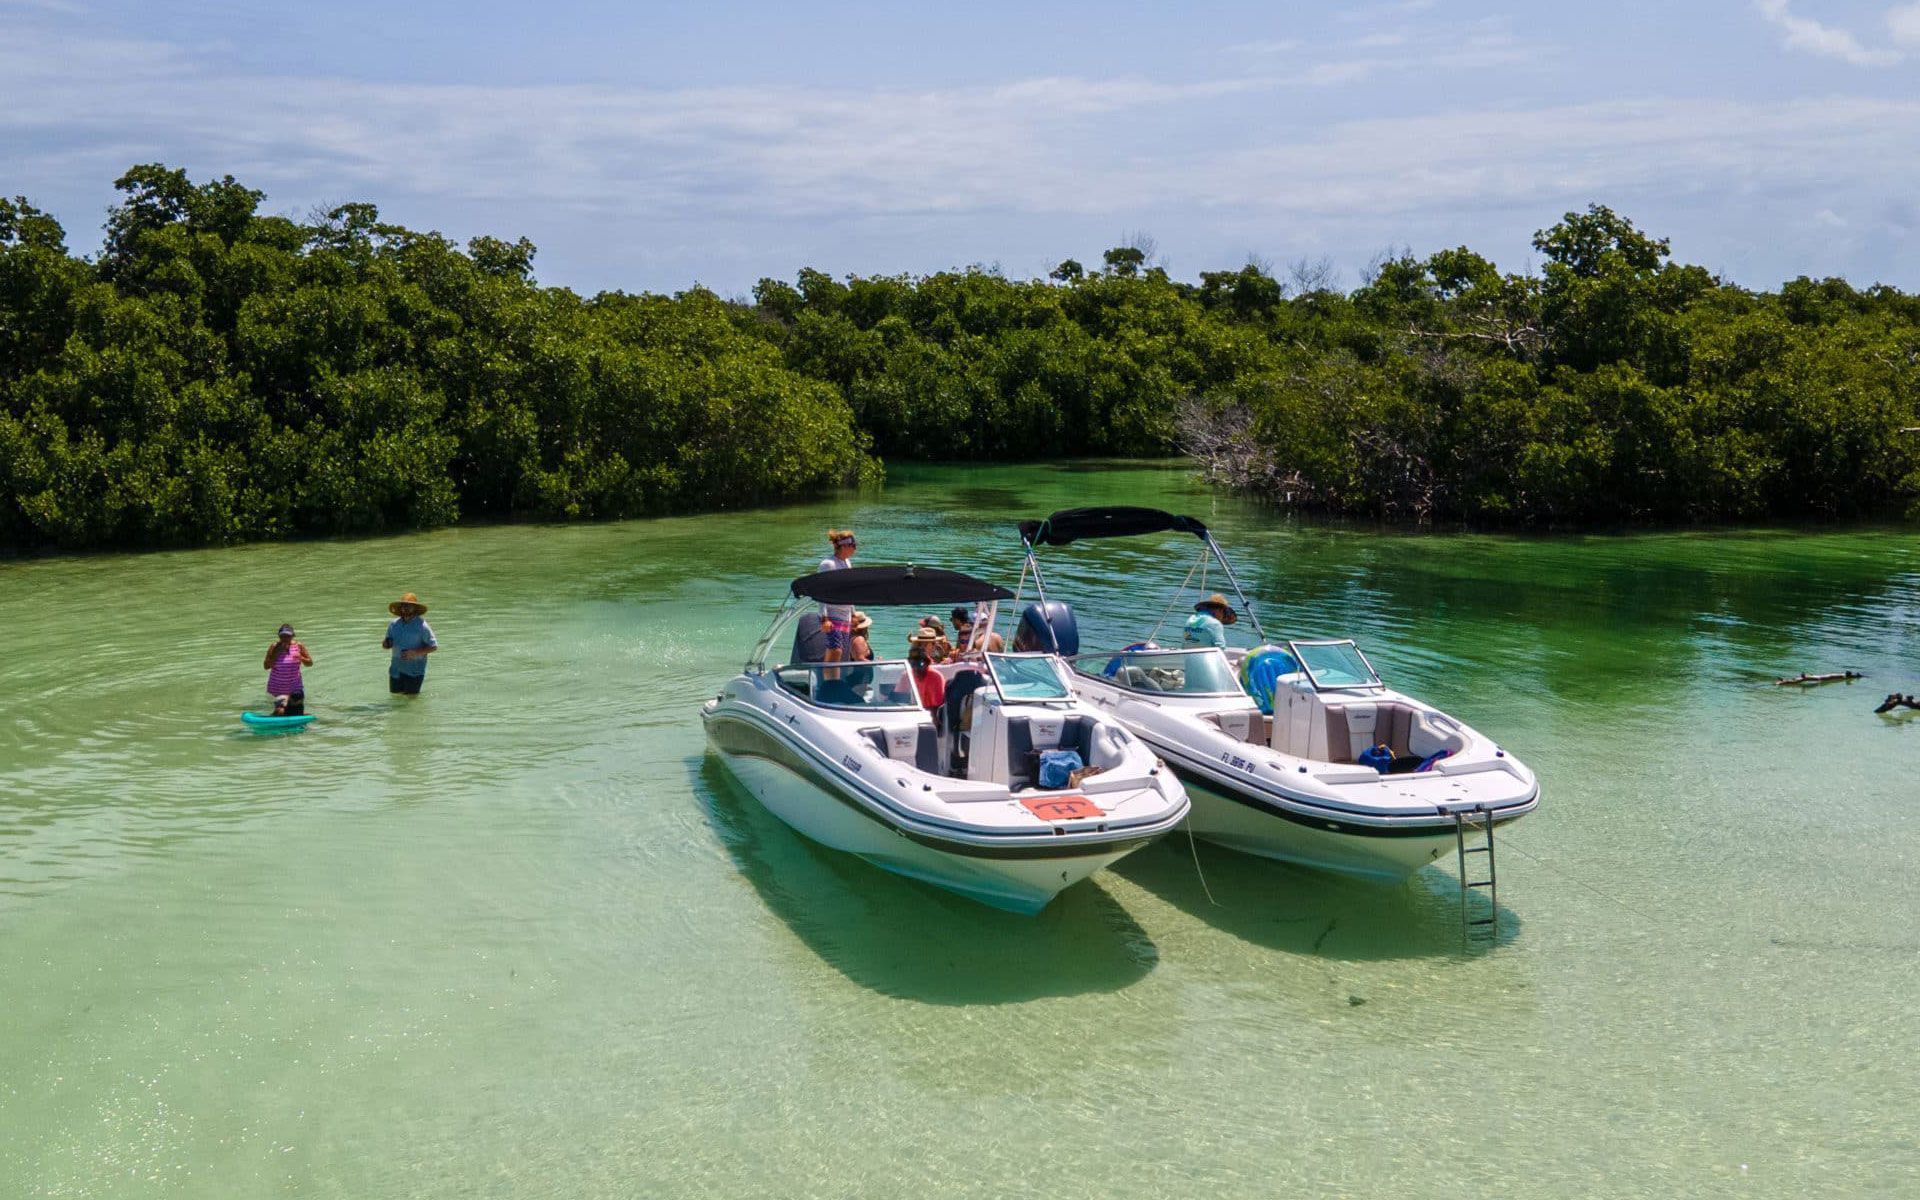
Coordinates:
[881,586]
[1071,524]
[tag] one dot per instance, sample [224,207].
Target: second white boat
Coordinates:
[1282,770]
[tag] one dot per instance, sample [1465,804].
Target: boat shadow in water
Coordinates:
[915,941]
[1316,913]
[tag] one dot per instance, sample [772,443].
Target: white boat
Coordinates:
[845,754]
[1271,750]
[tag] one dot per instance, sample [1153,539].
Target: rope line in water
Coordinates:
[1507,841]
[1187,824]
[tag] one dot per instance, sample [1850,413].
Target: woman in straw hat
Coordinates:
[926,684]
[1208,624]
[411,640]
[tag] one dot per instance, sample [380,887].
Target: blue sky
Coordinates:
[655,146]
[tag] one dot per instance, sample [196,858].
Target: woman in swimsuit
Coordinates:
[284,660]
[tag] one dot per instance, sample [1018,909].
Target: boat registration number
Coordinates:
[1062,808]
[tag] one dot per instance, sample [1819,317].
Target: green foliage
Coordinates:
[1614,387]
[218,375]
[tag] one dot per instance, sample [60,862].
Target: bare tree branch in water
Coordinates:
[1219,436]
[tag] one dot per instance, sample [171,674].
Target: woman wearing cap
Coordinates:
[1207,625]
[836,620]
[411,640]
[284,660]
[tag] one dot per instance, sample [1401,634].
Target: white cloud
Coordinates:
[1476,46]
[739,172]
[1376,12]
[1269,46]
[1548,157]
[1903,24]
[1826,41]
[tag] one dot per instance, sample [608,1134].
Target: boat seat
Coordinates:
[1076,733]
[1244,724]
[925,742]
[1353,727]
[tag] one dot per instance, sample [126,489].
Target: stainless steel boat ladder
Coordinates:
[1469,825]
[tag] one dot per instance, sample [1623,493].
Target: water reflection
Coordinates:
[1311,913]
[912,940]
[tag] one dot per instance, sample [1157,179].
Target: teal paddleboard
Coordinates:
[263,722]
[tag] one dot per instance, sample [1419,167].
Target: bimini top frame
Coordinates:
[1070,525]
[878,587]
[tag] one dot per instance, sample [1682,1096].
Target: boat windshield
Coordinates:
[1201,671]
[1334,665]
[852,685]
[1027,677]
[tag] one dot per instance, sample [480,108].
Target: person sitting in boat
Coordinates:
[930,688]
[963,625]
[940,649]
[284,660]
[1208,624]
[860,650]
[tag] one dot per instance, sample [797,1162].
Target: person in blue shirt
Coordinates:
[411,640]
[1208,624]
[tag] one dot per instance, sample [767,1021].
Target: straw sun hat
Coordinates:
[407,600]
[1227,615]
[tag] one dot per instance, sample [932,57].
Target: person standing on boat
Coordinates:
[1208,624]
[284,660]
[836,620]
[411,640]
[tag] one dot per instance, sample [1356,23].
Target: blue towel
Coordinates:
[1378,757]
[1057,767]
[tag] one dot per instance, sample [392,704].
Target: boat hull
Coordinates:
[1253,825]
[1020,879]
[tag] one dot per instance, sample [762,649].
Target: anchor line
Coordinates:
[1187,824]
[1570,878]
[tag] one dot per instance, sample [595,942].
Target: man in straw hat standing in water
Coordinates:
[411,640]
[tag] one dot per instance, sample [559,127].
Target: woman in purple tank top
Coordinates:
[284,660]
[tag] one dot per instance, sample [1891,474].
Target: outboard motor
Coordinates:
[809,639]
[1049,627]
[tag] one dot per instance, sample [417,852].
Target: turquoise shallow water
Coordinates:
[521,937]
